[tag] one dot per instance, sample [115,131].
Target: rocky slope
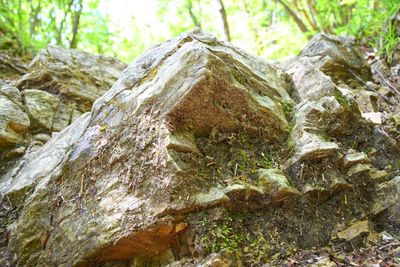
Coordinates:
[199,154]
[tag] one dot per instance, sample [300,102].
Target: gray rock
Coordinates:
[12,93]
[366,100]
[42,137]
[182,142]
[14,123]
[63,117]
[313,147]
[39,165]
[337,57]
[276,185]
[41,108]
[378,176]
[354,158]
[326,62]
[359,168]
[310,82]
[77,76]
[386,207]
[221,259]
[357,230]
[11,67]
[182,147]
[374,117]
[16,152]
[193,84]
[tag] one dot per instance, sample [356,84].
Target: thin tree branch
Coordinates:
[195,20]
[75,26]
[224,19]
[61,28]
[298,21]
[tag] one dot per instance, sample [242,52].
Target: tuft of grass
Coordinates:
[390,42]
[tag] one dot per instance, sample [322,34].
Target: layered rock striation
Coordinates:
[200,153]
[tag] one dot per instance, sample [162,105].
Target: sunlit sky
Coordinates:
[143,15]
[121,11]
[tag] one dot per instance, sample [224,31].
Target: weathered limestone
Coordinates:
[312,122]
[39,165]
[276,185]
[374,117]
[311,83]
[366,100]
[41,107]
[14,123]
[76,75]
[60,85]
[224,259]
[11,67]
[355,231]
[337,57]
[197,148]
[354,158]
[192,84]
[387,202]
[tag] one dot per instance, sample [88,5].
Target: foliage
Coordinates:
[390,40]
[31,24]
[279,28]
[268,28]
[232,235]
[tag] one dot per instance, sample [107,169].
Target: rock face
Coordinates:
[199,148]
[41,107]
[73,74]
[57,87]
[13,121]
[11,67]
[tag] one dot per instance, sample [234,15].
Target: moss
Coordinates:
[290,146]
[221,236]
[230,234]
[287,109]
[148,77]
[244,161]
[103,128]
[238,76]
[342,100]
[266,161]
[326,137]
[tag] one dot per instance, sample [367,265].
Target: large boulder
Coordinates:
[76,76]
[337,57]
[326,63]
[59,86]
[194,85]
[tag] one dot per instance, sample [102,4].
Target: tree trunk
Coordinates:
[34,18]
[60,30]
[298,21]
[75,27]
[195,20]
[224,20]
[250,21]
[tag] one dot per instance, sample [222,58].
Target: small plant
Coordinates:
[287,109]
[221,236]
[390,41]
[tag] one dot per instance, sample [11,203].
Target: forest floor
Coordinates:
[384,252]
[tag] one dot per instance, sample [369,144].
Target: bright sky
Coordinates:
[122,11]
[119,10]
[142,14]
